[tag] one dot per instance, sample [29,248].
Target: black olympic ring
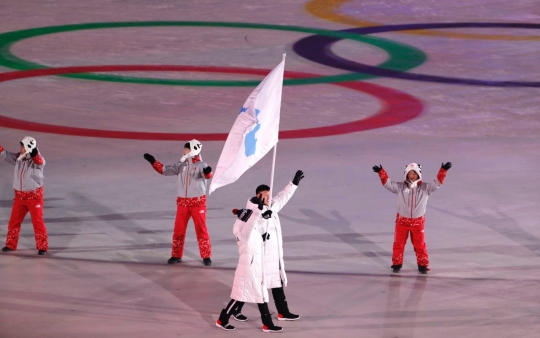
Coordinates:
[317,48]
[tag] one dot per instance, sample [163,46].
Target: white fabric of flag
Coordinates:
[254,132]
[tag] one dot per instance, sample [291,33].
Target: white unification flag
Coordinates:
[254,132]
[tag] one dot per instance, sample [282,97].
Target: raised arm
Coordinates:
[37,159]
[8,156]
[279,200]
[391,186]
[437,183]
[165,170]
[247,219]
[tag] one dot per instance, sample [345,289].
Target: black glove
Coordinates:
[265,236]
[149,158]
[446,165]
[259,202]
[377,168]
[34,152]
[267,214]
[297,177]
[243,214]
[207,170]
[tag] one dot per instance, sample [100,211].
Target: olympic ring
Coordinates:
[326,9]
[316,48]
[398,107]
[402,56]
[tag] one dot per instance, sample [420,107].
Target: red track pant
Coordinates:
[183,214]
[414,226]
[18,212]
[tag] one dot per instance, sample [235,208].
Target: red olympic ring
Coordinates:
[398,107]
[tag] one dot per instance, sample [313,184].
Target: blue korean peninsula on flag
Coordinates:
[254,132]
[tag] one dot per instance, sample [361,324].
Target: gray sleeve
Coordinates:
[392,186]
[174,170]
[431,187]
[201,168]
[9,157]
[39,166]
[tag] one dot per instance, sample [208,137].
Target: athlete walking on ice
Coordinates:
[260,266]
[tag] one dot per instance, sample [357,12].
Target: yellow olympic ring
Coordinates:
[327,10]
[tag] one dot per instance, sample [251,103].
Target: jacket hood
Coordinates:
[29,143]
[418,169]
[195,147]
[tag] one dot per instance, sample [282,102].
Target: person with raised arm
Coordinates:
[28,187]
[193,175]
[413,196]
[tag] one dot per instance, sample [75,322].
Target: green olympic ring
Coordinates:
[402,57]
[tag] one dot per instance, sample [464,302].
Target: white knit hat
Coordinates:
[29,143]
[195,147]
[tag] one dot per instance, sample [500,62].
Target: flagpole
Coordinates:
[274,158]
[272,174]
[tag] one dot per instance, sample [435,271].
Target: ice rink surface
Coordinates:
[110,216]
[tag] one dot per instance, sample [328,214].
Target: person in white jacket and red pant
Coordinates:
[28,187]
[413,195]
[192,174]
[260,266]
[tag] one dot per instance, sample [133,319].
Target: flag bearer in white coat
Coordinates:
[264,229]
[249,279]
[28,187]
[192,174]
[270,229]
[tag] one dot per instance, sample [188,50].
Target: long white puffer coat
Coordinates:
[249,284]
[274,267]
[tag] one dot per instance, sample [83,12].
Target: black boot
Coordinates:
[6,249]
[282,306]
[174,260]
[42,252]
[223,321]
[423,269]
[207,261]
[396,268]
[268,324]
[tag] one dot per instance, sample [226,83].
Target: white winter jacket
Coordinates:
[260,266]
[249,282]
[275,275]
